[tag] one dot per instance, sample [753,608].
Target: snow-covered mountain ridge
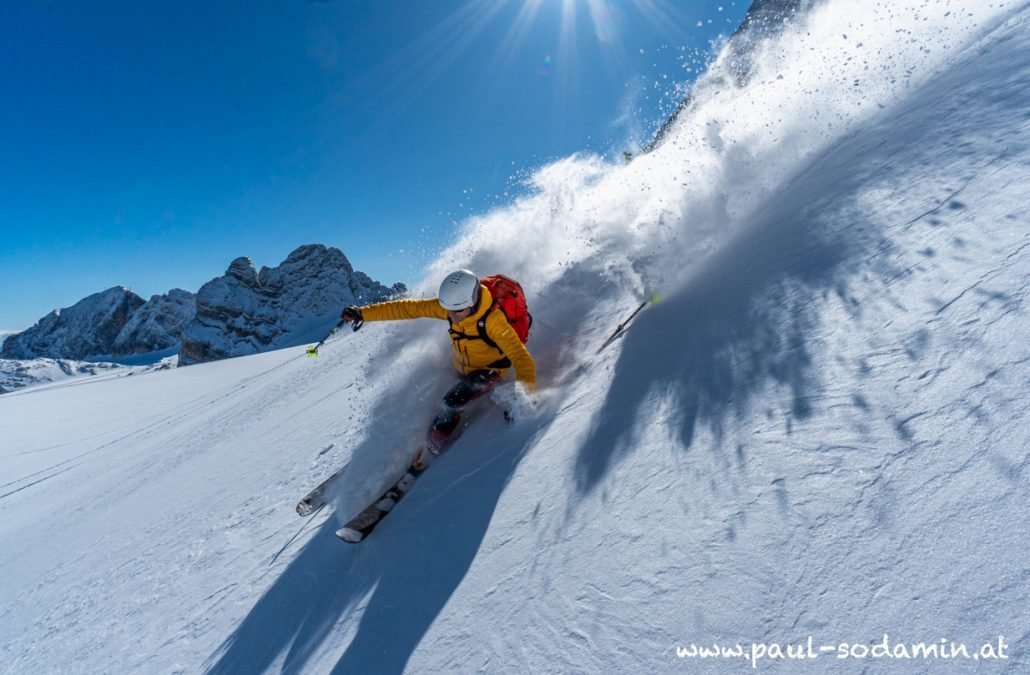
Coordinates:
[242,312]
[90,327]
[821,430]
[246,311]
[15,374]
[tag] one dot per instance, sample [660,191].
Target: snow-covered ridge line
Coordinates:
[242,312]
[90,327]
[247,311]
[18,375]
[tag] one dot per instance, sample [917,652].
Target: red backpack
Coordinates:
[510,298]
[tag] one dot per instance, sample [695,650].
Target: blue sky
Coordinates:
[147,144]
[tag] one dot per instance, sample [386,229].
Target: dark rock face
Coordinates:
[111,324]
[88,328]
[242,312]
[246,311]
[157,324]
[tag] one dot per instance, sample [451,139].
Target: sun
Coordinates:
[414,68]
[605,18]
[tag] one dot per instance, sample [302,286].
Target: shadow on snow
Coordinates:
[399,579]
[744,321]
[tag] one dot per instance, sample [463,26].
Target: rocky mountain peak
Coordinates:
[86,329]
[243,270]
[245,312]
[241,312]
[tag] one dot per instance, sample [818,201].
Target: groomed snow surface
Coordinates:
[820,431]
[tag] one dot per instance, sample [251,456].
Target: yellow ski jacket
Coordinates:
[471,352]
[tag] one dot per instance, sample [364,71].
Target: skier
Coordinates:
[485,344]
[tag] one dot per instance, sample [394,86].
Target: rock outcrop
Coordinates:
[157,324]
[87,329]
[108,325]
[243,312]
[246,311]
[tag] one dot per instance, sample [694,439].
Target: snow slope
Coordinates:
[821,430]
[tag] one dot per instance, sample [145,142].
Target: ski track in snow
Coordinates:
[821,429]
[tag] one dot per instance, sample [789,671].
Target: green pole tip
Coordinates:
[655,299]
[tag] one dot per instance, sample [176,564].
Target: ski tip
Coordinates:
[310,505]
[350,536]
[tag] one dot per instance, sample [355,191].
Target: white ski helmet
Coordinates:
[459,290]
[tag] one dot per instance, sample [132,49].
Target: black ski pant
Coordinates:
[469,387]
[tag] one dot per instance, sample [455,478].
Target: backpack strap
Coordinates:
[503,362]
[481,325]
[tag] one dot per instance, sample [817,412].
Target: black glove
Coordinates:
[351,313]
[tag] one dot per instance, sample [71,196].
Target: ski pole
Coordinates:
[622,326]
[585,365]
[313,351]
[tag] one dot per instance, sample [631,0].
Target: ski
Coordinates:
[316,499]
[361,525]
